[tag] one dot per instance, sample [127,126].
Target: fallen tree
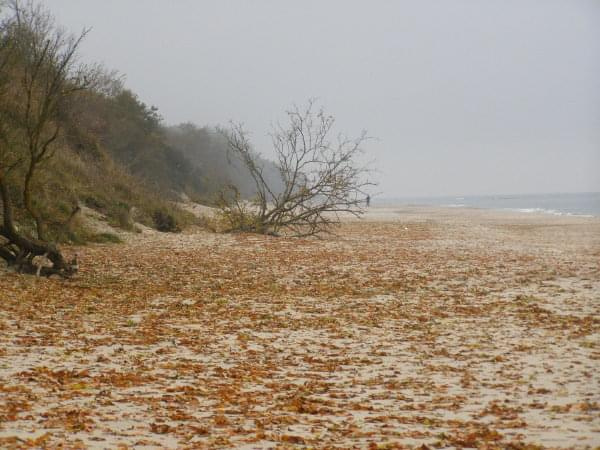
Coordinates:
[321,177]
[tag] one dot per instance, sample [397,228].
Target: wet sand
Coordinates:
[415,325]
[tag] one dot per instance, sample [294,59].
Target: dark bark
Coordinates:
[19,251]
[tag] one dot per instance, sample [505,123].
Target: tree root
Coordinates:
[36,258]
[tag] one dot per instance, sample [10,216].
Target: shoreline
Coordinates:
[387,213]
[534,210]
[584,204]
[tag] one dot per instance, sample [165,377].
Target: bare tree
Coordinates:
[322,177]
[40,72]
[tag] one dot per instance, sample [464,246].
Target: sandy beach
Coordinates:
[446,327]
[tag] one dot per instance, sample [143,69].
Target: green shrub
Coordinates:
[105,238]
[165,222]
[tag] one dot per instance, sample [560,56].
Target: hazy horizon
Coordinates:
[465,98]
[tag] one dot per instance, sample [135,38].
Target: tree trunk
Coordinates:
[19,251]
[28,201]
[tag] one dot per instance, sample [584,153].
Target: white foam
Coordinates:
[553,212]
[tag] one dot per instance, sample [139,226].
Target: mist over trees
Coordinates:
[208,150]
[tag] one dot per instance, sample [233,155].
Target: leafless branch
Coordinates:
[322,178]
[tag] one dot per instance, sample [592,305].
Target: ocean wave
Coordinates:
[553,212]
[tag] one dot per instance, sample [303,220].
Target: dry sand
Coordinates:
[444,327]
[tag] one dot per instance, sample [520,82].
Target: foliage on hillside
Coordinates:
[114,154]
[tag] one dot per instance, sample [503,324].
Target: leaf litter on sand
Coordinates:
[426,328]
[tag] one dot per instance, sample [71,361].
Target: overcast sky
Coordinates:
[464,96]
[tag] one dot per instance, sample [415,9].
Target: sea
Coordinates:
[585,204]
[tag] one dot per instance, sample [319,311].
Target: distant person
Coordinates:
[368,200]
